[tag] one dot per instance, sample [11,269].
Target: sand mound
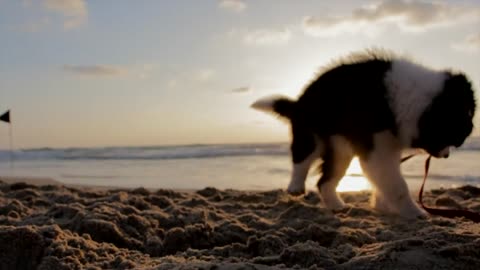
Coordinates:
[57,227]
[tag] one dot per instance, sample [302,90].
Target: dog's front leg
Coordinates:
[382,167]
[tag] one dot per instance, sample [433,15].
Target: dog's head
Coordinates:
[448,121]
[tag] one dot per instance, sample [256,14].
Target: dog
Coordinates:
[374,105]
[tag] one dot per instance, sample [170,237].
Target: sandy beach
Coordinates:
[160,135]
[59,227]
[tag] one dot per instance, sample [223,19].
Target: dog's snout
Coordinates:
[444,153]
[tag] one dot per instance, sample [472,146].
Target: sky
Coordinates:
[80,73]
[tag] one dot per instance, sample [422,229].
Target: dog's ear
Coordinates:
[458,81]
[459,88]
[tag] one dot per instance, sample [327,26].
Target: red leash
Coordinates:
[449,213]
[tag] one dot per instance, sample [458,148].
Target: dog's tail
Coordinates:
[279,105]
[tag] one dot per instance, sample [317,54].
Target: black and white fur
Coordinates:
[374,105]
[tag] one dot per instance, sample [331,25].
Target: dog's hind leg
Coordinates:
[305,150]
[337,158]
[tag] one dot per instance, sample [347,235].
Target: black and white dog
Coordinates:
[374,105]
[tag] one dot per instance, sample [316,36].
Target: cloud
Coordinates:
[267,37]
[471,43]
[96,70]
[329,26]
[410,16]
[75,12]
[241,90]
[233,5]
[204,75]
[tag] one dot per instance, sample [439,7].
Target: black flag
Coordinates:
[5,117]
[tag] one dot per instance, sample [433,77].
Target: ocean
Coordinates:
[235,166]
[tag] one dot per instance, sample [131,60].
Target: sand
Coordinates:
[59,227]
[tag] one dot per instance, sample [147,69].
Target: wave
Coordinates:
[167,152]
[148,152]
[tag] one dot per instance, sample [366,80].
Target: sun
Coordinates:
[354,180]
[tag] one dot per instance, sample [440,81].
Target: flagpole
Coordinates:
[5,117]
[11,146]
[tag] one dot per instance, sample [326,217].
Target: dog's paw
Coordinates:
[331,200]
[380,205]
[295,188]
[296,192]
[412,212]
[344,209]
[335,205]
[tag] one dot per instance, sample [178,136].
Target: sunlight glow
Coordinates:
[354,179]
